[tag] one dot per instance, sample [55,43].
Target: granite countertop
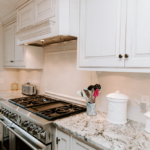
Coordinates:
[97,131]
[6,95]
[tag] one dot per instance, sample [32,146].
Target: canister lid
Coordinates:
[117,95]
[147,114]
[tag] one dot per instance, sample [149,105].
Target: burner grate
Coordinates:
[47,108]
[60,112]
[27,102]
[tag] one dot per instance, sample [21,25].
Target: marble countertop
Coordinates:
[97,131]
[6,95]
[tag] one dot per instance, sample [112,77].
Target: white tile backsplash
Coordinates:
[62,77]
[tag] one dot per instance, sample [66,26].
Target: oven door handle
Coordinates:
[16,134]
[22,139]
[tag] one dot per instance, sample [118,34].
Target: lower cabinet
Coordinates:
[77,145]
[67,142]
[63,141]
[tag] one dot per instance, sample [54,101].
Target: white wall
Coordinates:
[62,77]
[9,75]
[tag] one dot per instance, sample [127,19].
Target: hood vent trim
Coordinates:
[52,40]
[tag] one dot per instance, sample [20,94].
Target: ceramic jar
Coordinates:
[117,108]
[147,123]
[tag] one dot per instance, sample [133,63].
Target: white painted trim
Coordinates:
[138,70]
[66,98]
[9,19]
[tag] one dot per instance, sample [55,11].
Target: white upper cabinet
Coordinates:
[138,33]
[42,19]
[44,9]
[26,16]
[25,57]
[9,45]
[102,33]
[114,35]
[19,53]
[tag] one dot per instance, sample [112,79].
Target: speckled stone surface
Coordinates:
[6,95]
[97,131]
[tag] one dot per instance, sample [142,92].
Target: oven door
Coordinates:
[12,137]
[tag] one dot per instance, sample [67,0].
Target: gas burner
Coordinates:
[30,101]
[52,114]
[47,108]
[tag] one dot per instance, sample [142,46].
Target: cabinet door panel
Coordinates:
[26,16]
[77,145]
[102,33]
[19,52]
[64,143]
[44,9]
[138,33]
[8,46]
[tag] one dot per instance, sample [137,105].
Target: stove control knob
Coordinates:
[6,113]
[13,116]
[35,131]
[43,135]
[3,109]
[29,128]
[25,123]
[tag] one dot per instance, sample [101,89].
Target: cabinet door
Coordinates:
[44,9]
[19,53]
[25,16]
[8,46]
[102,33]
[64,143]
[77,145]
[138,33]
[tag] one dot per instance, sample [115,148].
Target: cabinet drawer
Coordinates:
[77,145]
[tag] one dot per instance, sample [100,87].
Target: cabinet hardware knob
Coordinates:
[57,140]
[126,55]
[11,61]
[120,56]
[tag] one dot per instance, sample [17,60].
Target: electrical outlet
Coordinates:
[145,99]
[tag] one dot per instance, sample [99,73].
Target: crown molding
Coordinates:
[18,3]
[9,18]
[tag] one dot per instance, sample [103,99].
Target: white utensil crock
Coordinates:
[147,123]
[117,108]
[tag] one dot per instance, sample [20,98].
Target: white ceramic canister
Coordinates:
[147,123]
[117,108]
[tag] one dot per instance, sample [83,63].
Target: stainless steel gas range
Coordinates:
[26,123]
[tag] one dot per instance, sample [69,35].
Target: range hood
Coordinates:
[57,23]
